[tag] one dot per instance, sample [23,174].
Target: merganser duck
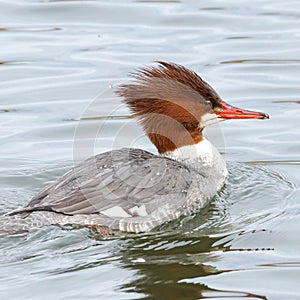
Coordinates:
[134,190]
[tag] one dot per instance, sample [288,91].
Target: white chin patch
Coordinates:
[208,119]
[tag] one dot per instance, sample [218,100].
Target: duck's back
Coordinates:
[126,189]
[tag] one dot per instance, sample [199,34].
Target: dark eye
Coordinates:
[208,103]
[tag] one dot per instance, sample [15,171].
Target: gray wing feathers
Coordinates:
[121,178]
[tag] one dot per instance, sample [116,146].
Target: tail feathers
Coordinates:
[13,225]
[23,222]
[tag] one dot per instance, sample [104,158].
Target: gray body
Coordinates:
[128,189]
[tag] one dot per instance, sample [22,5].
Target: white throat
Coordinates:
[203,158]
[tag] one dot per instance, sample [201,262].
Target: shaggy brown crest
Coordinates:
[170,100]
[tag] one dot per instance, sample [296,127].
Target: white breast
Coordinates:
[205,159]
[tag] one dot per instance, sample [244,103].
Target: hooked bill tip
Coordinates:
[264,116]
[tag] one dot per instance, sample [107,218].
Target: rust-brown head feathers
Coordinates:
[170,100]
